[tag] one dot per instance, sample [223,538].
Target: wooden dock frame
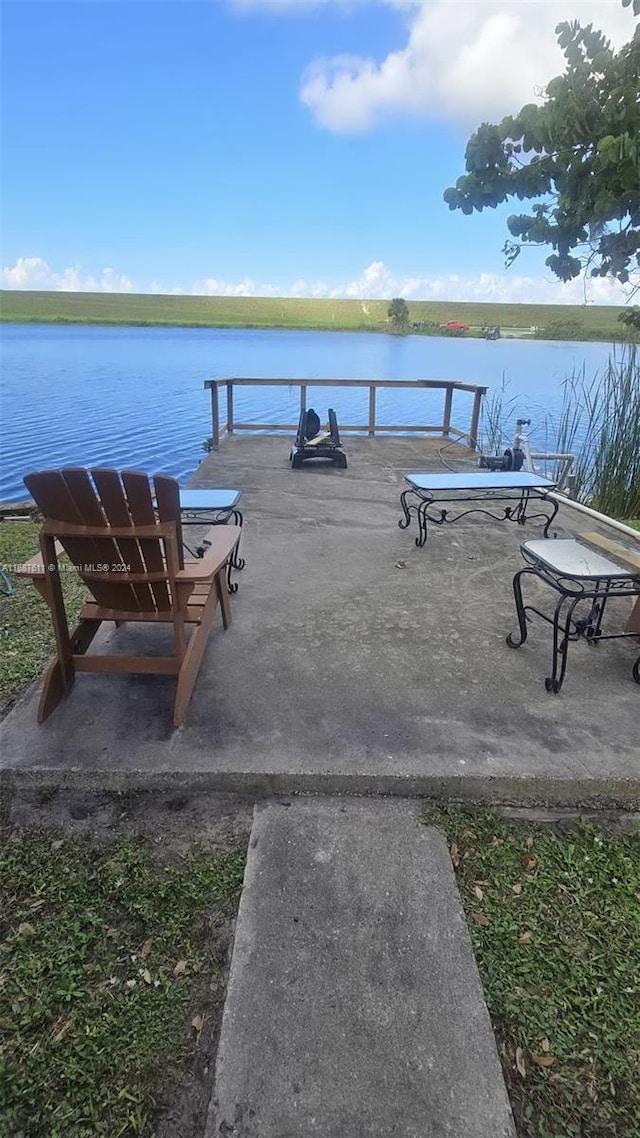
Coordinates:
[220,429]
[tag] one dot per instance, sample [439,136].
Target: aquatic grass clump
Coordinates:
[600,421]
[497,409]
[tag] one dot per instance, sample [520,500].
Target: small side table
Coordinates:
[585,583]
[212,508]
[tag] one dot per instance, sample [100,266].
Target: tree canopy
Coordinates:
[398,313]
[578,153]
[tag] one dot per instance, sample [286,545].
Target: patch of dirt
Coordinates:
[172,821]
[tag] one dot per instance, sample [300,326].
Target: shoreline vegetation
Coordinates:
[517,321]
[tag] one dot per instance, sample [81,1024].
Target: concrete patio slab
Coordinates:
[356,663]
[354,1007]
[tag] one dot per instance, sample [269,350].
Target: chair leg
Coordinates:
[55,687]
[223,597]
[195,648]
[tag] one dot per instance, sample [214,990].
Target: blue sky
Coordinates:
[295,147]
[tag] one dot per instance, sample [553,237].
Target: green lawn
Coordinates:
[555,923]
[109,972]
[588,322]
[26,634]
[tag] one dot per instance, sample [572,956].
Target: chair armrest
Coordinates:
[221,542]
[34,568]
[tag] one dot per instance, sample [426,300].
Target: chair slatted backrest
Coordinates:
[99,498]
[168,505]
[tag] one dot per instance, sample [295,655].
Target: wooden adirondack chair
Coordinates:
[128,551]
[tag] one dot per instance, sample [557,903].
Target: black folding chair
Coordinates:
[312,442]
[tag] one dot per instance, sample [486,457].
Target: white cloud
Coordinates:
[463,61]
[34,273]
[376,282]
[212,286]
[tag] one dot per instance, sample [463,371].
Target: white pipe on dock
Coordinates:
[611,522]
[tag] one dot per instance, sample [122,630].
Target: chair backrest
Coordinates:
[308,426]
[105,499]
[333,427]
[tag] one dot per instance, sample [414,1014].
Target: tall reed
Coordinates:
[495,412]
[600,422]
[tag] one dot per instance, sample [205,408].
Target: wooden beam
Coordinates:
[230,407]
[292,381]
[446,424]
[215,420]
[625,553]
[362,428]
[475,417]
[372,411]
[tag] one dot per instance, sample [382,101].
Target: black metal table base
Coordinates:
[578,614]
[516,509]
[216,518]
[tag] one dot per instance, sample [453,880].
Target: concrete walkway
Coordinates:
[356,662]
[354,1007]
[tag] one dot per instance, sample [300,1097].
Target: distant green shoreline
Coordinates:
[550,321]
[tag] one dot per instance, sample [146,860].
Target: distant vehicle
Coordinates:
[456,325]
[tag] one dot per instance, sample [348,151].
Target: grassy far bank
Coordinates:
[595,322]
[555,923]
[110,978]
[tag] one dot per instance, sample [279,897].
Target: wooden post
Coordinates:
[447,412]
[215,420]
[475,417]
[372,411]
[230,407]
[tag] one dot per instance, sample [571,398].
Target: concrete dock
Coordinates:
[356,662]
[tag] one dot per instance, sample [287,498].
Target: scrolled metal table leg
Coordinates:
[519,513]
[554,682]
[556,507]
[593,624]
[404,522]
[232,586]
[422,523]
[512,640]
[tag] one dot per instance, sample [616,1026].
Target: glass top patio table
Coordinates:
[478,480]
[570,558]
[513,493]
[208,499]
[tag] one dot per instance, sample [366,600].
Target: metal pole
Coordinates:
[372,411]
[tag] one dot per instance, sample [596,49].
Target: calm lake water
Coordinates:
[134,397]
